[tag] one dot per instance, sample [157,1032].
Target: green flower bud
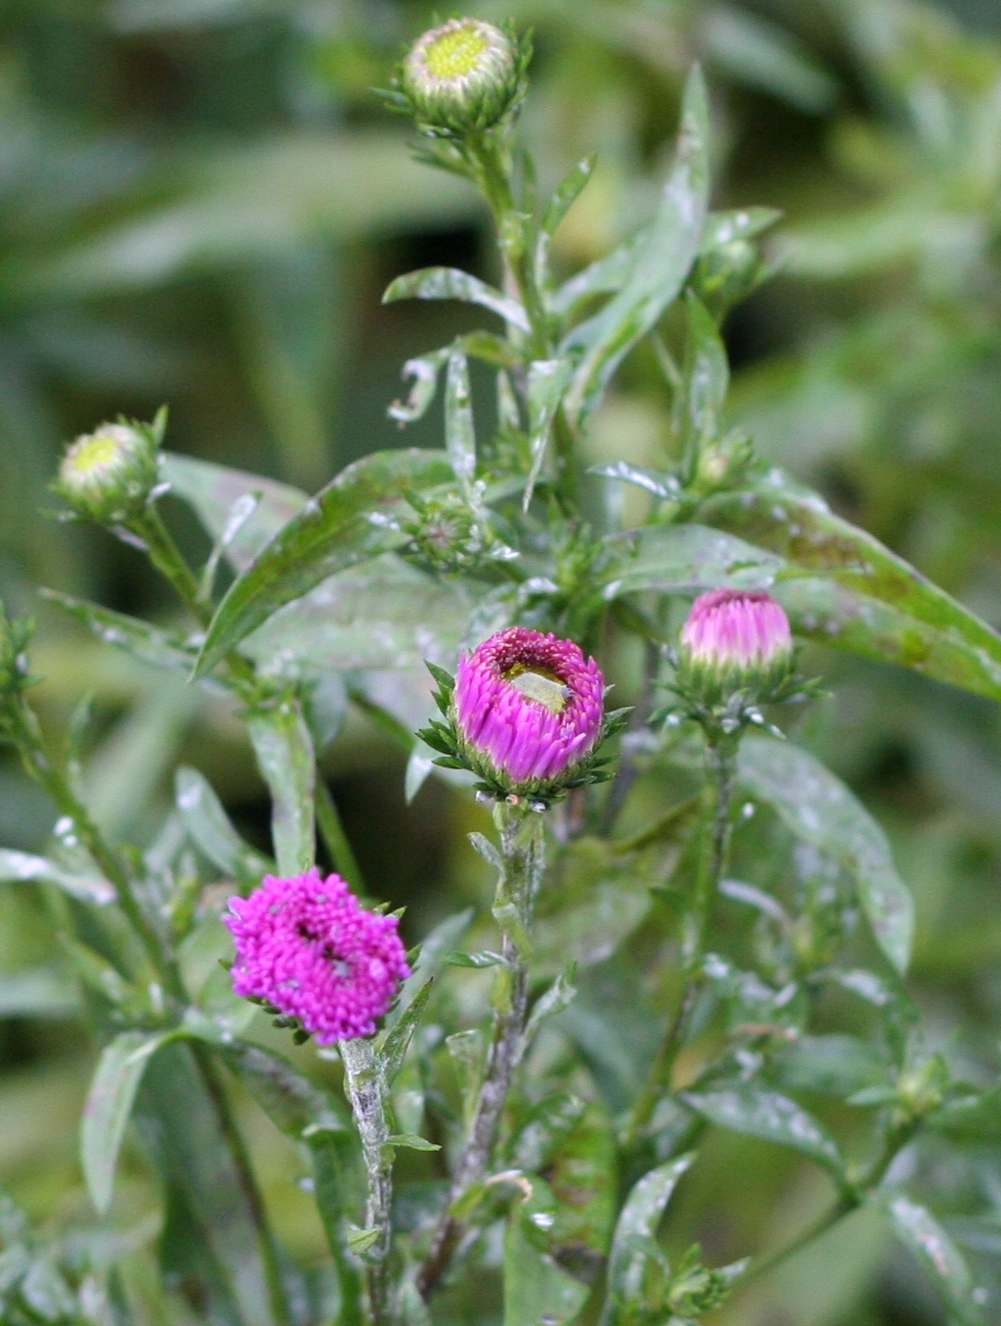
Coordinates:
[108,475]
[462,77]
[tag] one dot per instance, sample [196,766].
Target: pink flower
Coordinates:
[527,707]
[308,947]
[737,629]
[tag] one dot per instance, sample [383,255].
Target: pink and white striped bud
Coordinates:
[735,640]
[527,710]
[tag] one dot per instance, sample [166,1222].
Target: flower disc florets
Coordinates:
[735,641]
[108,475]
[307,948]
[527,711]
[462,77]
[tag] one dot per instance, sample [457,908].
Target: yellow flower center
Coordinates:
[456,54]
[93,454]
[543,686]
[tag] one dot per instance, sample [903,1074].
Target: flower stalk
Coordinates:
[522,859]
[364,1086]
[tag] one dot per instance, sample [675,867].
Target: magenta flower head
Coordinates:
[735,640]
[306,947]
[527,711]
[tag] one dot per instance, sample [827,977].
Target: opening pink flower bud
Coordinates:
[528,709]
[735,640]
[737,628]
[308,947]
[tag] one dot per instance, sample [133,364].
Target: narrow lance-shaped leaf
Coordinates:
[149,644]
[707,369]
[877,605]
[679,558]
[348,521]
[285,757]
[547,380]
[943,1263]
[451,283]
[639,1219]
[460,434]
[215,491]
[817,807]
[16,867]
[747,1108]
[109,1104]
[207,823]
[663,260]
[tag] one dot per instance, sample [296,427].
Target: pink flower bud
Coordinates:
[737,628]
[735,640]
[308,947]
[528,709]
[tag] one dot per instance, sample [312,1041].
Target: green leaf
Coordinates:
[741,223]
[284,750]
[659,482]
[663,260]
[21,866]
[109,1104]
[392,1049]
[834,1065]
[536,1288]
[683,558]
[707,370]
[818,808]
[450,283]
[972,1119]
[348,521]
[760,54]
[215,491]
[751,1109]
[942,1261]
[382,614]
[162,649]
[424,370]
[559,996]
[411,1142]
[460,434]
[209,827]
[477,960]
[297,1107]
[38,992]
[547,380]
[360,1240]
[860,596]
[640,1216]
[603,276]
[567,192]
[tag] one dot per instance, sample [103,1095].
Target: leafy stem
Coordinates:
[522,861]
[720,757]
[366,1094]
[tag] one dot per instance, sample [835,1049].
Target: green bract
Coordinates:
[462,77]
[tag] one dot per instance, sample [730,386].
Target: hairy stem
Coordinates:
[365,1092]
[720,751]
[523,852]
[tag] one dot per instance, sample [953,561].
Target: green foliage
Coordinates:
[715,952]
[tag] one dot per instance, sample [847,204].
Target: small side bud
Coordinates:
[107,476]
[735,641]
[462,77]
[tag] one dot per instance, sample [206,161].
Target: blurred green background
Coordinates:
[201,202]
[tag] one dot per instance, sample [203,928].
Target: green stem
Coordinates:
[267,1243]
[365,1092]
[720,751]
[493,177]
[523,851]
[336,840]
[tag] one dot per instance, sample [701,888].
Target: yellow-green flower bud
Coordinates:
[108,475]
[462,77]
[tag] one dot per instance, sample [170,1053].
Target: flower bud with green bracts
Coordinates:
[463,77]
[109,476]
